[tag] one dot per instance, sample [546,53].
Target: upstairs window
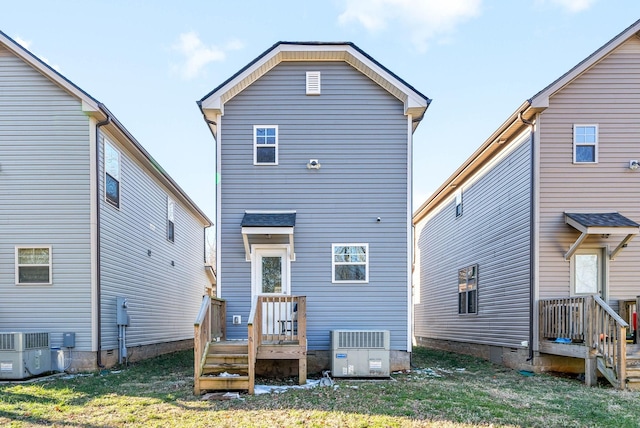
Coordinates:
[33,265]
[111,174]
[265,145]
[468,290]
[585,143]
[458,203]
[350,263]
[170,224]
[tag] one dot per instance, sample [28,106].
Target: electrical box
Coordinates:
[68,340]
[360,353]
[24,355]
[122,316]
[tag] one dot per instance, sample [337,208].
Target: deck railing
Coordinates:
[210,324]
[589,321]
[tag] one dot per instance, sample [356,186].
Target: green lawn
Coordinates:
[458,391]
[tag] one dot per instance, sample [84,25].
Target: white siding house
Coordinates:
[69,245]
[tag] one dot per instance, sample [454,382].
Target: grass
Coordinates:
[444,390]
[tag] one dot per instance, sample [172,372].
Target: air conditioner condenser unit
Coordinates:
[360,353]
[24,354]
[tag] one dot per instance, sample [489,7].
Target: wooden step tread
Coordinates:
[226,355]
[230,366]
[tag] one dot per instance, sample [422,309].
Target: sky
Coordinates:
[150,61]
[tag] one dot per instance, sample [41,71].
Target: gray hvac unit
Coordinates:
[360,353]
[24,354]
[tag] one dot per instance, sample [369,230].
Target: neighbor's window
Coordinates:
[468,290]
[350,263]
[170,224]
[265,145]
[458,203]
[585,143]
[33,265]
[111,174]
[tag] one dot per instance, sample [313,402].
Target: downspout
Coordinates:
[98,200]
[531,234]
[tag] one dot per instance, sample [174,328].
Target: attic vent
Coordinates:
[313,83]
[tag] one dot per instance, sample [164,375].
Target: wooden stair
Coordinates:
[226,366]
[633,367]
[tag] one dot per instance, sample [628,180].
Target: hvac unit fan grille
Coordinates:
[36,340]
[7,342]
[361,339]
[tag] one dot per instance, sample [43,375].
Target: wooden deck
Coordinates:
[588,328]
[276,330]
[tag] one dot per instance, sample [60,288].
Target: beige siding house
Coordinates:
[562,174]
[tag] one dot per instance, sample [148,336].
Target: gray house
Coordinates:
[88,216]
[313,144]
[525,254]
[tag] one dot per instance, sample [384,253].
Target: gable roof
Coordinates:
[99,111]
[212,104]
[517,122]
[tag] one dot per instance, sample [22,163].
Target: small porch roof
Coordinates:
[268,223]
[601,224]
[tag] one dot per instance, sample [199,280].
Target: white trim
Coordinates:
[603,270]
[410,236]
[366,263]
[282,249]
[93,222]
[313,83]
[17,265]
[218,198]
[594,144]
[255,145]
[535,269]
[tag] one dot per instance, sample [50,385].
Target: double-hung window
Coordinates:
[468,290]
[458,203]
[265,145]
[111,174]
[33,265]
[170,225]
[350,263]
[585,143]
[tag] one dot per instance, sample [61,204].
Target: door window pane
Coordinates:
[272,274]
[586,273]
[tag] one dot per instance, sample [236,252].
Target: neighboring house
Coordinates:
[525,252]
[69,245]
[314,167]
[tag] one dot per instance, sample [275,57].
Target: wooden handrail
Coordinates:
[209,323]
[608,336]
[254,328]
[610,311]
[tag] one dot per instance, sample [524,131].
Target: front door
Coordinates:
[588,272]
[270,267]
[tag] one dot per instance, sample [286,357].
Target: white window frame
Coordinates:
[365,263]
[171,226]
[118,165]
[577,144]
[603,269]
[18,265]
[255,145]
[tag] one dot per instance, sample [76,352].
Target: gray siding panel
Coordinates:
[164,299]
[493,232]
[358,132]
[44,195]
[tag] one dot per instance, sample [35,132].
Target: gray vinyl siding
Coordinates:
[44,195]
[494,233]
[163,299]
[358,132]
[607,95]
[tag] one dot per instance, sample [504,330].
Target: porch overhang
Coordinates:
[601,224]
[268,223]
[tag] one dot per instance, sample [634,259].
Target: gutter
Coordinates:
[531,232]
[98,267]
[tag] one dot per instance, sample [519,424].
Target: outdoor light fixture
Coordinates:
[633,164]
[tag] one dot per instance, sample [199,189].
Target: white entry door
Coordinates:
[270,267]
[589,272]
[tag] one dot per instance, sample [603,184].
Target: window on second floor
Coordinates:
[585,143]
[265,145]
[170,224]
[111,174]
[458,203]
